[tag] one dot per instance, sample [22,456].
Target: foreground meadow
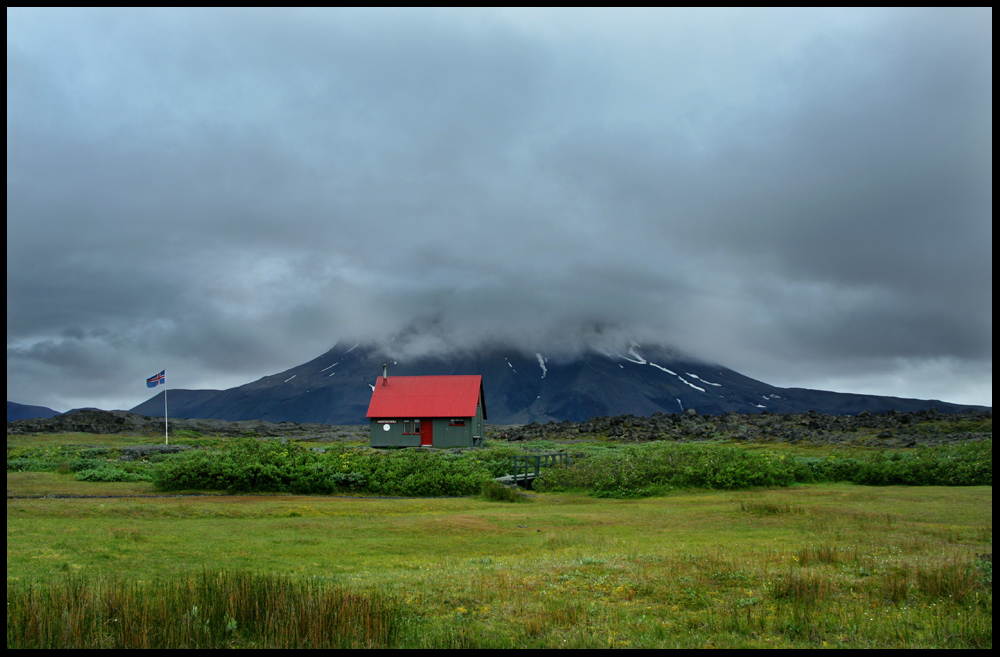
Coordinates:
[839,565]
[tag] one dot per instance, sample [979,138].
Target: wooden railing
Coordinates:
[526,468]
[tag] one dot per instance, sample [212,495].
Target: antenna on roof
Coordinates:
[385,374]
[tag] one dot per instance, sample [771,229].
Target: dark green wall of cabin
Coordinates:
[445,436]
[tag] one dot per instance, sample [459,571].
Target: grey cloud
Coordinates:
[764,188]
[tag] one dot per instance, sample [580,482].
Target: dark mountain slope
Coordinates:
[17,411]
[335,388]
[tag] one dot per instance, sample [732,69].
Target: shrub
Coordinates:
[250,465]
[497,492]
[965,464]
[643,470]
[107,472]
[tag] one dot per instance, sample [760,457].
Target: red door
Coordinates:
[426,432]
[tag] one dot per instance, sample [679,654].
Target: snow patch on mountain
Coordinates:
[688,383]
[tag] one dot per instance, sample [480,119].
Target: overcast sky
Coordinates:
[804,196]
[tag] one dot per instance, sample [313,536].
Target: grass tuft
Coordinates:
[761,508]
[952,580]
[826,554]
[213,610]
[800,586]
[497,492]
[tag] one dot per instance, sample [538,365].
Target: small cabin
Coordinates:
[429,411]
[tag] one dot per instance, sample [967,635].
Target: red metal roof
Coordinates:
[427,396]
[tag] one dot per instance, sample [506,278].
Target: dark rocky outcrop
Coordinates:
[892,429]
[118,422]
[139,452]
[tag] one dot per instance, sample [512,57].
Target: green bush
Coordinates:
[965,464]
[51,459]
[656,468]
[28,464]
[251,465]
[63,459]
[419,473]
[112,473]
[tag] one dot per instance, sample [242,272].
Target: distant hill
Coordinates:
[17,411]
[520,388]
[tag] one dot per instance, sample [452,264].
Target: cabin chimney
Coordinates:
[385,374]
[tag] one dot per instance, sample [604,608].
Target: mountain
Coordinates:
[17,411]
[521,388]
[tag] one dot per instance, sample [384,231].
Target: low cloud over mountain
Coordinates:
[802,194]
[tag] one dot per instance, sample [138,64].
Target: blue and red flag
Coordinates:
[157,379]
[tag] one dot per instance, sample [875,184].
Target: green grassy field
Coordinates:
[836,565]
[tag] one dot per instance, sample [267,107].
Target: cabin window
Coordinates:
[411,427]
[456,422]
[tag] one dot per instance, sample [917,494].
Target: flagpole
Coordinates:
[166,422]
[161,380]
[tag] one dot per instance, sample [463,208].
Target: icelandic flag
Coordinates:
[157,379]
